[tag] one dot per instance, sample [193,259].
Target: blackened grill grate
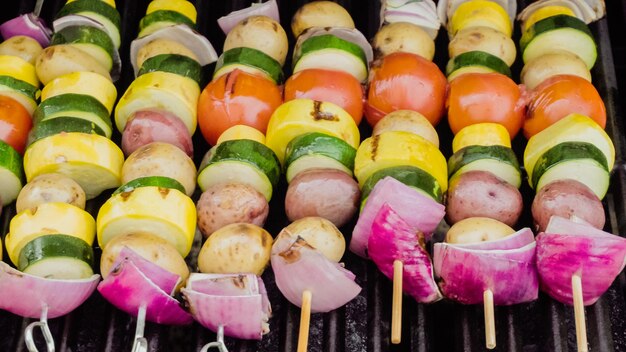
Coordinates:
[364,324]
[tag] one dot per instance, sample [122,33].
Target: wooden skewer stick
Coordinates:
[579,314]
[490,323]
[396,308]
[305,321]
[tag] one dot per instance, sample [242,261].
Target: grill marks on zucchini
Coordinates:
[318,150]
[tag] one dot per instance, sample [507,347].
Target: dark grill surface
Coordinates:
[364,324]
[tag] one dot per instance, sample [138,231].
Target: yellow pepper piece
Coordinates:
[484,134]
[300,116]
[110,2]
[48,219]
[18,68]
[546,12]
[241,132]
[166,213]
[160,90]
[183,7]
[94,161]
[573,128]
[87,83]
[480,13]
[398,148]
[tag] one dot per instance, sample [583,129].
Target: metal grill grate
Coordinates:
[364,324]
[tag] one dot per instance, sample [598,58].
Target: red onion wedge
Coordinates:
[181,33]
[27,295]
[393,239]
[135,282]
[237,302]
[268,8]
[419,211]
[28,25]
[570,248]
[298,267]
[507,269]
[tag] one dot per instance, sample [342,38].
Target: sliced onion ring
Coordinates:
[299,267]
[268,8]
[27,295]
[570,248]
[181,33]
[238,302]
[128,288]
[28,25]
[393,239]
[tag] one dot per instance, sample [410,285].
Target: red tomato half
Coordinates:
[404,81]
[335,87]
[559,96]
[15,123]
[485,97]
[236,98]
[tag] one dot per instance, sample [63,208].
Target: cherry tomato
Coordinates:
[335,87]
[559,96]
[236,98]
[404,81]
[15,123]
[485,97]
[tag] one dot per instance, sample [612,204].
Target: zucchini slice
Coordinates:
[59,257]
[62,124]
[559,33]
[173,63]
[573,128]
[99,11]
[410,176]
[151,181]
[331,53]
[156,20]
[476,61]
[318,150]
[499,160]
[241,161]
[78,106]
[91,40]
[24,93]
[583,161]
[249,60]
[83,83]
[11,175]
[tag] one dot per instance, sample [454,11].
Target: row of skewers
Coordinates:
[404,187]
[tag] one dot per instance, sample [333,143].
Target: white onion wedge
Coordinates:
[237,302]
[27,295]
